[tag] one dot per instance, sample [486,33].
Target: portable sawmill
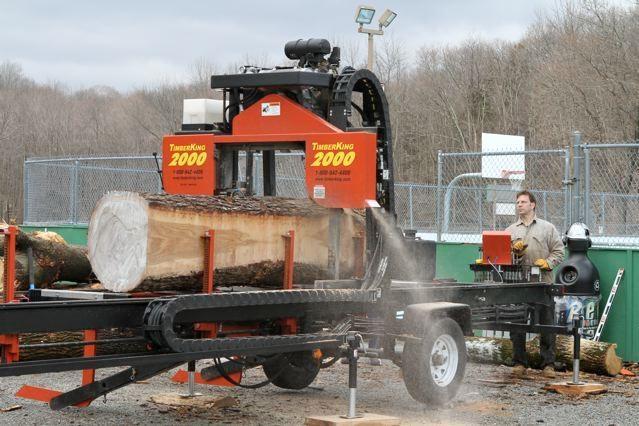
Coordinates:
[339,118]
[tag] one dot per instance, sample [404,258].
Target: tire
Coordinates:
[433,369]
[295,370]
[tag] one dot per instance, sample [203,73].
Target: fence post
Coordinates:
[25,192]
[410,206]
[438,213]
[577,157]
[567,191]
[480,205]
[602,216]
[587,215]
[74,192]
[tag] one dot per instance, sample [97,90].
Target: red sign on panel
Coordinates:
[340,169]
[188,164]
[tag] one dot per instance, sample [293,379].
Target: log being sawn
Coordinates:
[152,242]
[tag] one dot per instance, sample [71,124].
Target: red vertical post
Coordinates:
[208,281]
[9,343]
[289,325]
[88,376]
[9,263]
[289,259]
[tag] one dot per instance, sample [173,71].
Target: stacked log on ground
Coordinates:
[53,260]
[595,357]
[141,242]
[51,352]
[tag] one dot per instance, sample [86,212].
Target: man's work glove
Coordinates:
[518,247]
[543,264]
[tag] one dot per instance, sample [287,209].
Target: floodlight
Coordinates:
[387,18]
[364,15]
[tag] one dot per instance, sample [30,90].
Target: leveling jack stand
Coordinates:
[191,382]
[353,341]
[576,387]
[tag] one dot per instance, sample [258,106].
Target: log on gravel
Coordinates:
[595,357]
[141,242]
[53,260]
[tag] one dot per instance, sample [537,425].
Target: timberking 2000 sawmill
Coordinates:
[295,331]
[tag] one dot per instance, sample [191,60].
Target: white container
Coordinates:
[202,111]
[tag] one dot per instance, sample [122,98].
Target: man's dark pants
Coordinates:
[546,342]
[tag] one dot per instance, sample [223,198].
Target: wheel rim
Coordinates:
[443,360]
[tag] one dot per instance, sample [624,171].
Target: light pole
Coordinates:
[364,16]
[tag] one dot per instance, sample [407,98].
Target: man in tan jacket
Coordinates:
[535,242]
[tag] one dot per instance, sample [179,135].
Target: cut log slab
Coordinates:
[141,242]
[595,357]
[53,260]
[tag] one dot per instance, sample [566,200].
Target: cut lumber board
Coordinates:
[595,357]
[142,241]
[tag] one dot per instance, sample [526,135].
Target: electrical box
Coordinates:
[496,248]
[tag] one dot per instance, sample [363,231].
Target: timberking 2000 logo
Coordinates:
[333,154]
[187,155]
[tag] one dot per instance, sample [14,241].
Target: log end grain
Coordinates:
[117,240]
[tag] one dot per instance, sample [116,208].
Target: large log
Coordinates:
[595,357]
[53,260]
[154,242]
[53,352]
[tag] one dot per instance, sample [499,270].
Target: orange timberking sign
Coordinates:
[188,167]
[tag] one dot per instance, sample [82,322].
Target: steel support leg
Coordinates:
[353,341]
[576,325]
[191,381]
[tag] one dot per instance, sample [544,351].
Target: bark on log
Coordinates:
[595,357]
[33,354]
[53,260]
[142,242]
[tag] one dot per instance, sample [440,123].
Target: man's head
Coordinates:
[526,203]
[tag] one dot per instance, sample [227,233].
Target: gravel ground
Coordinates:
[489,396]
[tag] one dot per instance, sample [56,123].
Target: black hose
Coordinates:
[218,366]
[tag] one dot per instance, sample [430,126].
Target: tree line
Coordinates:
[575,68]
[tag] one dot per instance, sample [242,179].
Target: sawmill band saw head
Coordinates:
[338,118]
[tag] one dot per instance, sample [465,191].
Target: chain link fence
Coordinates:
[477,191]
[611,192]
[594,183]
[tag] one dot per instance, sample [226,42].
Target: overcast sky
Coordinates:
[135,43]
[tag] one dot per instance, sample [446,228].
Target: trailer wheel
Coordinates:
[295,370]
[433,369]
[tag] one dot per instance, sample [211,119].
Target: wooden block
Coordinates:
[566,388]
[176,400]
[367,419]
